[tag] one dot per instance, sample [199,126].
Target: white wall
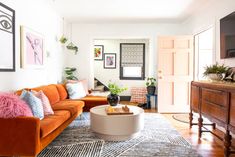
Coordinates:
[39,16]
[210,15]
[84,34]
[113,46]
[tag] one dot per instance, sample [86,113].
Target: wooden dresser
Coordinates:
[215,101]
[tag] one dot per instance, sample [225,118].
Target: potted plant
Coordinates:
[151,85]
[216,71]
[73,47]
[69,71]
[113,98]
[63,39]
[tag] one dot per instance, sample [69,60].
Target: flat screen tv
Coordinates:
[227,36]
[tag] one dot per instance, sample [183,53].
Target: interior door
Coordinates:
[175,72]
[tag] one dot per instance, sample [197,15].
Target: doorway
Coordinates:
[204,52]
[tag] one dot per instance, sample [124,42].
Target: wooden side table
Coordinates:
[148,96]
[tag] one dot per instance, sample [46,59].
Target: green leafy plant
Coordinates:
[115,89]
[69,71]
[71,46]
[151,81]
[63,39]
[215,69]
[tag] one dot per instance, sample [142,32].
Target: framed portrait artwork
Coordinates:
[98,52]
[32,48]
[110,61]
[7,38]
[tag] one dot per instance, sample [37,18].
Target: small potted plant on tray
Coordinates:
[216,72]
[151,85]
[113,98]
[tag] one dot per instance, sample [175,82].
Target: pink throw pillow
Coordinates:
[12,106]
[47,110]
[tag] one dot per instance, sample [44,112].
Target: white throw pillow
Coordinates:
[75,90]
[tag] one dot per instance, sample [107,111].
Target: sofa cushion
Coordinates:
[84,84]
[70,105]
[92,101]
[34,103]
[75,90]
[12,106]
[51,92]
[52,122]
[62,91]
[47,110]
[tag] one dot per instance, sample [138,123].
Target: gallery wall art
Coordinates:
[32,48]
[98,52]
[110,61]
[7,38]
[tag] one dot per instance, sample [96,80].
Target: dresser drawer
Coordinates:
[215,97]
[214,111]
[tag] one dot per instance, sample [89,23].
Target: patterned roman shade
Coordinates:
[132,54]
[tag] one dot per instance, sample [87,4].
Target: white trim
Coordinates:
[149,71]
[196,58]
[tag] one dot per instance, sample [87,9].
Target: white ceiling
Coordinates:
[127,10]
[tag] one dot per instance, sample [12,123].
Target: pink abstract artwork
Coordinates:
[34,49]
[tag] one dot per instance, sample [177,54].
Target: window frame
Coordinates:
[121,68]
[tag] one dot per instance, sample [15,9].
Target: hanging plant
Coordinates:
[63,39]
[71,46]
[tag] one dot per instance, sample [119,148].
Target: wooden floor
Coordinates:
[207,146]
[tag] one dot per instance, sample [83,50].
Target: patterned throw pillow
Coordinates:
[138,94]
[84,83]
[75,90]
[12,106]
[34,103]
[47,110]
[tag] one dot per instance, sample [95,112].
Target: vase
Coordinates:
[113,99]
[151,90]
[215,77]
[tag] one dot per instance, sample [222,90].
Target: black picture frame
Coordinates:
[102,52]
[114,61]
[7,26]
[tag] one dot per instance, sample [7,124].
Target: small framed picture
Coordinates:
[98,52]
[109,61]
[32,48]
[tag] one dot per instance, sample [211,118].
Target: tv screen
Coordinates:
[227,36]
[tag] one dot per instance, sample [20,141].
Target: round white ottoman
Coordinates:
[116,127]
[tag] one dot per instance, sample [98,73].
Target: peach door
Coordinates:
[175,72]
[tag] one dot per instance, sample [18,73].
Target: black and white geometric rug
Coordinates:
[158,138]
[82,149]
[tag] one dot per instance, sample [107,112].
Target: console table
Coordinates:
[215,101]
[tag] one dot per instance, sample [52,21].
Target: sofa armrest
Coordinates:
[19,136]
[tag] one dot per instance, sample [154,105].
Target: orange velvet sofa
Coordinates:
[28,136]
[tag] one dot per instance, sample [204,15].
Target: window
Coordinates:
[132,61]
[203,52]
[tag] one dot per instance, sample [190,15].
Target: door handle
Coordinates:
[159,71]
